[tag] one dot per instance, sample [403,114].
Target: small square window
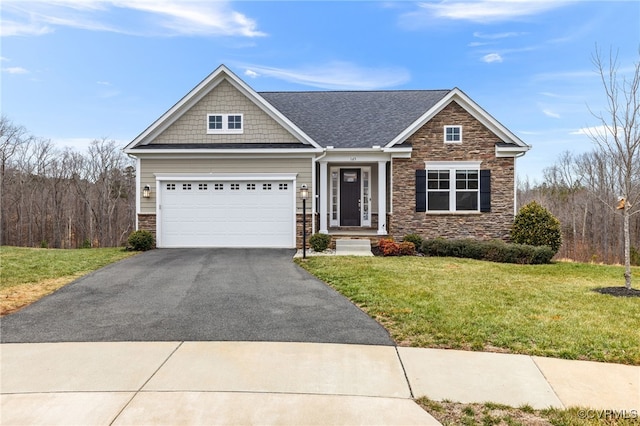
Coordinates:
[266,187]
[186,187]
[234,122]
[452,134]
[202,186]
[283,186]
[235,186]
[218,186]
[171,187]
[251,186]
[215,122]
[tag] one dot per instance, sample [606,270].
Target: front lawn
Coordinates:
[546,310]
[27,274]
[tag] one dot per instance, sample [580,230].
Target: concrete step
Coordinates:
[353,247]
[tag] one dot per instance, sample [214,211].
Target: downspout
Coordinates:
[137,185]
[515,183]
[315,196]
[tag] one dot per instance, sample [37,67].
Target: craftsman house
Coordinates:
[224,166]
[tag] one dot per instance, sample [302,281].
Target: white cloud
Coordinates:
[492,57]
[103,83]
[485,11]
[595,131]
[148,17]
[15,70]
[251,73]
[337,75]
[496,36]
[550,113]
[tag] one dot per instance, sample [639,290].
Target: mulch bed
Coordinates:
[618,291]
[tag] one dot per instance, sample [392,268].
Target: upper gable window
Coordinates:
[452,134]
[225,123]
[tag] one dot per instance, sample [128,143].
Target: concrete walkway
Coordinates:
[167,383]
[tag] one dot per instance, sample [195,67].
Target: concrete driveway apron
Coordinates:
[196,295]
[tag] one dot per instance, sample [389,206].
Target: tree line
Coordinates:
[62,198]
[577,189]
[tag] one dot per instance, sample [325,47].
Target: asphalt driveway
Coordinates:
[196,295]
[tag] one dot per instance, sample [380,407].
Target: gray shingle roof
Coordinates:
[354,119]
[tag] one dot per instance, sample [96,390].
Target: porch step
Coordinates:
[353,247]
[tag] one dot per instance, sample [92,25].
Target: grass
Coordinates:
[455,413]
[545,310]
[27,274]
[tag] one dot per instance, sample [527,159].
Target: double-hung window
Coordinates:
[225,123]
[453,186]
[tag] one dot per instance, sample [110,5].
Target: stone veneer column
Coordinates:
[323,198]
[382,198]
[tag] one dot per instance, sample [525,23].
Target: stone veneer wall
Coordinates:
[147,222]
[478,143]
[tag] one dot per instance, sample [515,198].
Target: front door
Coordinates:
[349,197]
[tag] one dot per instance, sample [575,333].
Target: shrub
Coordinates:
[495,251]
[536,226]
[415,239]
[388,247]
[141,240]
[407,248]
[320,242]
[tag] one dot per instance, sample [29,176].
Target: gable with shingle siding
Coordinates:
[191,127]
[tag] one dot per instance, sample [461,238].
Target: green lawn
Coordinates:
[27,274]
[547,310]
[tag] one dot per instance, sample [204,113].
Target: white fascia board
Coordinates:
[202,89]
[356,155]
[399,152]
[511,151]
[471,107]
[225,176]
[452,164]
[147,153]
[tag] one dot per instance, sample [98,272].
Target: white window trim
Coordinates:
[225,125]
[452,166]
[452,127]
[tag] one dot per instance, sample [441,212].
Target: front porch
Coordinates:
[352,192]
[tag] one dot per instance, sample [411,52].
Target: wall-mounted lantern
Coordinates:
[146,191]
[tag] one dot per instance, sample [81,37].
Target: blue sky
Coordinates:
[77,70]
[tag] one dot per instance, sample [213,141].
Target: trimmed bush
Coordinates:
[415,239]
[320,242]
[141,240]
[407,248]
[536,226]
[494,251]
[388,247]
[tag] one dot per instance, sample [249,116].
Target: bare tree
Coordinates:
[618,139]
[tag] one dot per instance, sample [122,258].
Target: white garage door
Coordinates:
[227,213]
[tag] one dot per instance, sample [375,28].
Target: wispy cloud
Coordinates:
[151,17]
[15,70]
[492,57]
[550,113]
[336,75]
[486,11]
[251,73]
[497,36]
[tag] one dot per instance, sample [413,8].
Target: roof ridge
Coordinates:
[355,91]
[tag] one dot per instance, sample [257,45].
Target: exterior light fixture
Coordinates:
[146,191]
[304,194]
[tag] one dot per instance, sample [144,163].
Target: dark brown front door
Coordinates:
[349,197]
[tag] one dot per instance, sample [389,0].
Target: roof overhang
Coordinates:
[503,150]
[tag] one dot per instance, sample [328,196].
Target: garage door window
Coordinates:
[186,187]
[266,187]
[171,187]
[218,186]
[202,186]
[283,186]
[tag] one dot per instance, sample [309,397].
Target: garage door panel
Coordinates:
[227,214]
